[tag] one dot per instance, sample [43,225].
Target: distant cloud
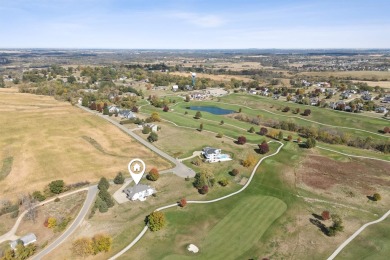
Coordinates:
[207,21]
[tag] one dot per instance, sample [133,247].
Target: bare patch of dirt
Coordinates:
[323,173]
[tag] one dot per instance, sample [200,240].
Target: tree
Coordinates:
[251,130]
[71,79]
[92,106]
[56,186]
[222,122]
[85,102]
[188,98]
[280,135]
[204,189]
[166,109]
[250,160]
[134,109]
[119,179]
[376,197]
[82,247]
[153,175]
[386,130]
[325,215]
[239,110]
[51,222]
[38,196]
[106,111]
[155,117]
[103,184]
[183,202]
[201,127]
[241,140]
[307,112]
[219,135]
[101,243]
[299,140]
[263,147]
[153,137]
[101,205]
[310,142]
[106,197]
[198,115]
[289,138]
[235,172]
[156,221]
[146,130]
[263,131]
[223,182]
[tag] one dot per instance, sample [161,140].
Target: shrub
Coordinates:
[38,196]
[183,202]
[376,197]
[234,172]
[386,130]
[241,140]
[101,243]
[153,137]
[156,221]
[57,199]
[119,179]
[15,214]
[219,135]
[146,130]
[51,222]
[250,160]
[153,175]
[289,138]
[286,109]
[57,186]
[251,130]
[310,142]
[325,215]
[280,135]
[82,247]
[198,115]
[223,182]
[166,109]
[222,122]
[204,189]
[263,147]
[263,131]
[307,112]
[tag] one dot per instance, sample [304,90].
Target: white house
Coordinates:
[214,155]
[175,88]
[113,109]
[26,240]
[153,127]
[139,192]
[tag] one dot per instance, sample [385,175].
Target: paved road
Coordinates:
[346,242]
[180,169]
[140,235]
[10,235]
[92,192]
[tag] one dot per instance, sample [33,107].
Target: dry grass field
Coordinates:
[49,140]
[361,75]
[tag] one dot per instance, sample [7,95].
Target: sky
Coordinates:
[195,24]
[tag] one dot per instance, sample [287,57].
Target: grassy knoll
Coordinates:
[47,140]
[372,243]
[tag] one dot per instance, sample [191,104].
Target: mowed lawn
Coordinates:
[49,140]
[239,230]
[372,243]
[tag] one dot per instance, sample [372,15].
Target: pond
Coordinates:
[213,110]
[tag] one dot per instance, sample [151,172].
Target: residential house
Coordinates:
[113,109]
[128,114]
[139,192]
[386,99]
[175,88]
[214,155]
[381,110]
[25,240]
[152,127]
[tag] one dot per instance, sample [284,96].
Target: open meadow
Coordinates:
[44,140]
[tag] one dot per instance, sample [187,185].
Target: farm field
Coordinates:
[361,75]
[215,77]
[49,140]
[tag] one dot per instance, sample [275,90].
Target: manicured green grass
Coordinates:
[240,228]
[325,116]
[372,243]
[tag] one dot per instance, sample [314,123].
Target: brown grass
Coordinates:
[214,77]
[45,138]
